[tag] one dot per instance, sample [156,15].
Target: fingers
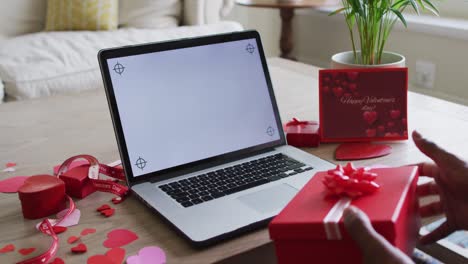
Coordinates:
[428,169]
[359,227]
[433,151]
[429,188]
[440,232]
[374,248]
[431,209]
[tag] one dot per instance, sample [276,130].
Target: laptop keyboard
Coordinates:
[226,181]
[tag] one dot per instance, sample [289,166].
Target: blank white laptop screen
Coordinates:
[186,105]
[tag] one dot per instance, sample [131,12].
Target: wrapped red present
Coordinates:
[311,229]
[302,133]
[41,196]
[83,180]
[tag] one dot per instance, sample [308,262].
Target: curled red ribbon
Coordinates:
[351,182]
[297,122]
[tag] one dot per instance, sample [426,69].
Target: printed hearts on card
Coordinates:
[370,116]
[357,151]
[148,255]
[119,238]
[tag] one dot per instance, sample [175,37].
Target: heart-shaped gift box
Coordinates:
[41,196]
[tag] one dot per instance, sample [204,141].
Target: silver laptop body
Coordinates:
[200,136]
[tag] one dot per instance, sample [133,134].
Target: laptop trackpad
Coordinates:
[269,200]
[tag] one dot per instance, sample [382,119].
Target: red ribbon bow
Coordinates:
[351,182]
[296,122]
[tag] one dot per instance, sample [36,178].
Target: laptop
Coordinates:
[200,135]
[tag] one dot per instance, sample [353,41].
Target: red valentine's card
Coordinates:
[363,104]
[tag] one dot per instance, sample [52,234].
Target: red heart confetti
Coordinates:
[103,207]
[58,261]
[26,251]
[88,231]
[72,239]
[108,212]
[59,229]
[119,238]
[117,200]
[10,164]
[113,256]
[117,255]
[12,184]
[7,248]
[80,248]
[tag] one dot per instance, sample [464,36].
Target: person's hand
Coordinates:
[451,184]
[374,247]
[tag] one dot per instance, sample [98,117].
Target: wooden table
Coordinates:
[287,14]
[38,134]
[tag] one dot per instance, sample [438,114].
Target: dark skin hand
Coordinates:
[450,175]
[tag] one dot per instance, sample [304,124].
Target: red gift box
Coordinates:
[310,228]
[41,196]
[77,182]
[302,133]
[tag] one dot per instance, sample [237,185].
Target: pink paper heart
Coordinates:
[11,185]
[71,220]
[119,238]
[148,255]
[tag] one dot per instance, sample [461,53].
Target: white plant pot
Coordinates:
[345,60]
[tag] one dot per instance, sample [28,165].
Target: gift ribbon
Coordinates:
[46,228]
[297,122]
[95,168]
[348,183]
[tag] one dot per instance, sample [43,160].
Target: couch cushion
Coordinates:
[149,13]
[81,15]
[47,63]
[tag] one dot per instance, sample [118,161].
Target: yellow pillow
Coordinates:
[82,15]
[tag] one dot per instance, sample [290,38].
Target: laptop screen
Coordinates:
[185,105]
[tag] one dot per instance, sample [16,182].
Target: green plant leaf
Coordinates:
[337,11]
[431,7]
[415,6]
[400,16]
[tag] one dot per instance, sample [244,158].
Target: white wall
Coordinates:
[317,37]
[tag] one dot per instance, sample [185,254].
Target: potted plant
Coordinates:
[374,21]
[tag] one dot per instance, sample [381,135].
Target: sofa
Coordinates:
[36,63]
